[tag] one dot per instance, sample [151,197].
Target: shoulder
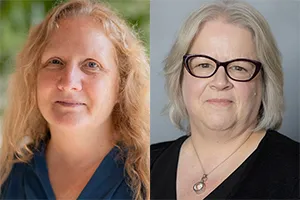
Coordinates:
[275,135]
[279,155]
[13,182]
[18,170]
[281,146]
[276,167]
[156,150]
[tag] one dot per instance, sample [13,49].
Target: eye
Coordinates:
[203,65]
[92,66]
[238,68]
[55,61]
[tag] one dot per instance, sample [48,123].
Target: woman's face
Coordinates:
[77,85]
[219,103]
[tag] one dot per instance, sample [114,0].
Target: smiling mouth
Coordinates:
[69,104]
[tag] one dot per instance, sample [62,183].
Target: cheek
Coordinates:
[45,83]
[248,95]
[102,90]
[192,89]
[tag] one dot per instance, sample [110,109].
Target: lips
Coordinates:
[222,102]
[69,103]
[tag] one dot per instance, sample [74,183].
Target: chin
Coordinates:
[68,120]
[69,123]
[219,123]
[219,127]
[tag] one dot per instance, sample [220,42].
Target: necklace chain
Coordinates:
[206,174]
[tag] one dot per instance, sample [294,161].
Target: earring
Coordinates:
[254,93]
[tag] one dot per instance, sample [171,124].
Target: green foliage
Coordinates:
[137,13]
[16,17]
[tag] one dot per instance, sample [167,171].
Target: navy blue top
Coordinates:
[31,181]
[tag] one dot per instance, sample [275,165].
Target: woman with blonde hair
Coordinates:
[224,78]
[77,121]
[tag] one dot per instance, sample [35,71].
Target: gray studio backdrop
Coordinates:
[166,17]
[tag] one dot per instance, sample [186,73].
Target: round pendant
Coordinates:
[199,187]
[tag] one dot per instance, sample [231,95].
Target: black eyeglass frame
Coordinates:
[187,57]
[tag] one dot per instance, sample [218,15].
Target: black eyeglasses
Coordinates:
[203,66]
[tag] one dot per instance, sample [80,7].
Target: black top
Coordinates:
[270,172]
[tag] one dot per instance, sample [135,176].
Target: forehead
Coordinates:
[223,41]
[77,35]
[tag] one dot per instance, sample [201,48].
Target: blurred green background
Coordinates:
[17,16]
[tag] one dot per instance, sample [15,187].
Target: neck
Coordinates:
[213,146]
[72,146]
[218,136]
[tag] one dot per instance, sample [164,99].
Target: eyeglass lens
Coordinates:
[205,67]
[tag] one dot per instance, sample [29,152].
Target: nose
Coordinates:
[220,80]
[70,78]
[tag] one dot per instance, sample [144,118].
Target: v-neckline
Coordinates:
[110,162]
[244,168]
[100,175]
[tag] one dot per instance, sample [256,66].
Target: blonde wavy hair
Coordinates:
[22,118]
[243,15]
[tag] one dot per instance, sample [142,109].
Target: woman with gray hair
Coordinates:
[224,76]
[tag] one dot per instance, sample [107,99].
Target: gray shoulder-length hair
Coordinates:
[243,15]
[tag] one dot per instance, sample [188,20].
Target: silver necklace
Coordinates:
[199,187]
